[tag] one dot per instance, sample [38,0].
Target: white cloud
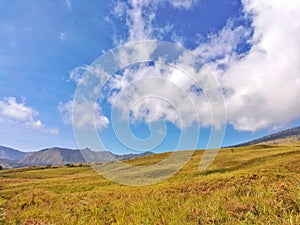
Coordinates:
[149,93]
[120,9]
[139,15]
[14,113]
[77,73]
[179,102]
[85,113]
[139,52]
[81,74]
[265,84]
[223,43]
[261,87]
[185,4]
[139,24]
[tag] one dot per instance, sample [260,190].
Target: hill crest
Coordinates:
[281,137]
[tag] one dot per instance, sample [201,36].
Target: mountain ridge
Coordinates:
[11,153]
[62,156]
[284,136]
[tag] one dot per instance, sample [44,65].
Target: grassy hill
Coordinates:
[286,136]
[248,185]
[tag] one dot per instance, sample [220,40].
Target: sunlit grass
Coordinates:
[249,185]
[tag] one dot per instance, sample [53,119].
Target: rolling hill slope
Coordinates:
[246,185]
[285,136]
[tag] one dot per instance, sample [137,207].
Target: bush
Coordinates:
[69,165]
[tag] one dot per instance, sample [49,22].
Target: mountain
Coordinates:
[285,136]
[11,154]
[62,156]
[55,156]
[10,157]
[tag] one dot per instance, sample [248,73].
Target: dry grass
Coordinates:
[249,185]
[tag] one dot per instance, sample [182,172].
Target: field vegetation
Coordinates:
[247,185]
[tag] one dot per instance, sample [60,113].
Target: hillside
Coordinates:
[11,154]
[285,136]
[55,156]
[246,185]
[12,158]
[61,156]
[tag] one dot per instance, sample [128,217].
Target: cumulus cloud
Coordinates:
[150,93]
[139,28]
[83,114]
[83,111]
[265,84]
[19,114]
[260,86]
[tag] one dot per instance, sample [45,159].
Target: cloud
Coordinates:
[169,94]
[18,114]
[150,93]
[138,22]
[76,74]
[135,53]
[223,43]
[185,4]
[140,14]
[260,85]
[83,114]
[265,84]
[120,9]
[81,74]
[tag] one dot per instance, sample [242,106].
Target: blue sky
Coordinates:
[46,46]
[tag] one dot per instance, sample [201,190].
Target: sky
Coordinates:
[250,47]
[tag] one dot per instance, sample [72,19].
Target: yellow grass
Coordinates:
[249,185]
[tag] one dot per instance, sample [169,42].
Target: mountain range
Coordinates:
[10,157]
[11,154]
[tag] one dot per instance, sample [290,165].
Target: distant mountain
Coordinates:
[11,154]
[6,163]
[62,156]
[284,136]
[10,157]
[54,156]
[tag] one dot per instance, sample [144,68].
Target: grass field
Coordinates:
[248,185]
